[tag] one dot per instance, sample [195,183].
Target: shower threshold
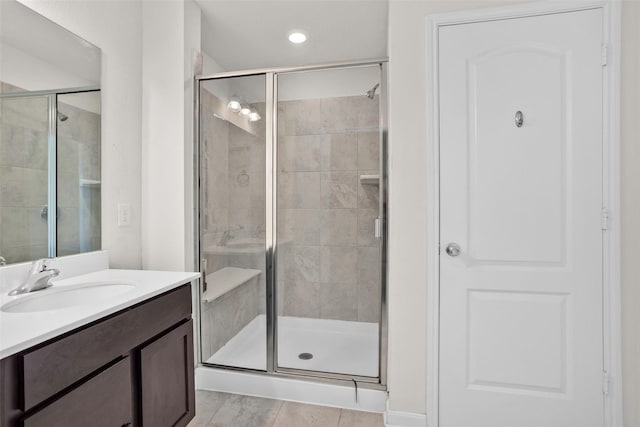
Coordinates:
[335,346]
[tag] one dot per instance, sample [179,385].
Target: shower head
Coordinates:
[372,92]
[62,117]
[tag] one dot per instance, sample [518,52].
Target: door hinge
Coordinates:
[606,380]
[605,55]
[604,218]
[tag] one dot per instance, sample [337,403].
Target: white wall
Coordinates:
[171,31]
[408,212]
[193,64]
[162,135]
[631,210]
[114,27]
[209,65]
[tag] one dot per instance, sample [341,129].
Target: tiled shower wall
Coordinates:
[23,179]
[79,181]
[233,168]
[329,259]
[214,152]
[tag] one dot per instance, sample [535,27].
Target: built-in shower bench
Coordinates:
[225,280]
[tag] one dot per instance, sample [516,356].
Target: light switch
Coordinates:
[124,214]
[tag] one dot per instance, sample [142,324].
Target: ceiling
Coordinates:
[243,34]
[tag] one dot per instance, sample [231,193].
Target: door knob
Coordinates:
[453,249]
[519,119]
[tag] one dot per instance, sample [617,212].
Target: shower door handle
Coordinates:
[203,273]
[377,228]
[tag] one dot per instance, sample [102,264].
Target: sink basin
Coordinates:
[67,296]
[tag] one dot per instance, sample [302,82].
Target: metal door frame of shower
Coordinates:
[271,252]
[52,152]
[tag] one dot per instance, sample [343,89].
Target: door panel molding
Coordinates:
[551,226]
[612,344]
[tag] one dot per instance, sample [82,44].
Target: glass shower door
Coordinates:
[328,199]
[24,124]
[232,221]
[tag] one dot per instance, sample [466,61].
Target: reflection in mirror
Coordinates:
[38,54]
[78,173]
[23,177]
[49,138]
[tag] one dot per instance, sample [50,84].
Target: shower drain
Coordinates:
[305,356]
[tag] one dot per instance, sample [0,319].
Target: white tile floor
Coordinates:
[337,346]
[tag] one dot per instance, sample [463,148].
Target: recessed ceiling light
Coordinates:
[297,37]
[254,116]
[245,111]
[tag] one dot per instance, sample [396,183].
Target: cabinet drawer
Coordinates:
[53,367]
[103,401]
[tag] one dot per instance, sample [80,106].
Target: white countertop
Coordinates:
[19,331]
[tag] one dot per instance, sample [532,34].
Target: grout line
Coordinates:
[226,398]
[275,419]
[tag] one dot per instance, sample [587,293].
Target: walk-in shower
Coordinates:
[292,173]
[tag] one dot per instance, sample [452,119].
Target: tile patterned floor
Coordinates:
[215,409]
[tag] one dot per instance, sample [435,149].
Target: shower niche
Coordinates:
[291,218]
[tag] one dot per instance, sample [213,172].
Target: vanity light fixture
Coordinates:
[254,116]
[243,111]
[234,105]
[297,37]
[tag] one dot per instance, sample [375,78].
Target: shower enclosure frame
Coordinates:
[52,152]
[271,246]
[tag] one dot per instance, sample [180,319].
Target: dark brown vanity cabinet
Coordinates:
[133,368]
[104,399]
[167,392]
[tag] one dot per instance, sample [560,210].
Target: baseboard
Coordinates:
[295,390]
[404,419]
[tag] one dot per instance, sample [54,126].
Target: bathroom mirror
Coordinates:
[50,181]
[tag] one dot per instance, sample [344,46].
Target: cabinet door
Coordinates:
[103,401]
[166,379]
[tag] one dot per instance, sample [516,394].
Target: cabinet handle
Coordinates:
[126,425]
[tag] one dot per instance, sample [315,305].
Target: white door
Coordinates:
[521,194]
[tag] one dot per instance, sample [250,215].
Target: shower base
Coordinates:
[335,346]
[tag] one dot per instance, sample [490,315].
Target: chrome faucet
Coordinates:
[38,277]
